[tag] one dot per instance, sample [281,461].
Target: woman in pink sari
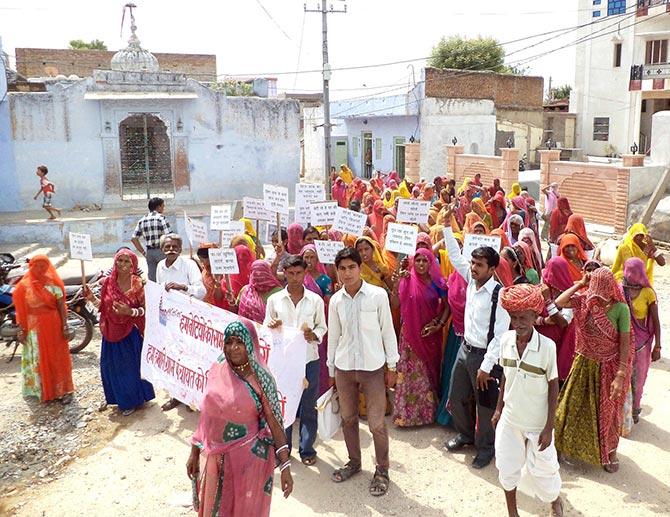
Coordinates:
[240,434]
[340,192]
[254,295]
[295,243]
[421,294]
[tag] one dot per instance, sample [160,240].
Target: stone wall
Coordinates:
[49,62]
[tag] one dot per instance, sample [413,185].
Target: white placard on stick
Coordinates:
[413,211]
[401,238]
[275,198]
[348,221]
[306,193]
[223,261]
[80,246]
[195,230]
[303,213]
[326,250]
[219,217]
[323,214]
[473,241]
[232,229]
[254,209]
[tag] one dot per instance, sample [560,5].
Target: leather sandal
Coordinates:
[344,473]
[379,484]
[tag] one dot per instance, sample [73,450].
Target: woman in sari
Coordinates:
[641,299]
[516,191]
[244,259]
[556,280]
[421,294]
[340,192]
[495,188]
[240,433]
[374,269]
[512,227]
[376,218]
[637,243]
[515,260]
[530,237]
[216,292]
[121,308]
[316,277]
[46,366]
[497,209]
[479,208]
[295,243]
[345,174]
[571,250]
[251,233]
[474,224]
[589,414]
[519,206]
[525,253]
[254,295]
[559,219]
[576,226]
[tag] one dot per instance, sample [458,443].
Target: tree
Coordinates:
[233,88]
[79,44]
[472,54]
[560,92]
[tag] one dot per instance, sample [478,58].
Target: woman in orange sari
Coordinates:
[571,250]
[46,365]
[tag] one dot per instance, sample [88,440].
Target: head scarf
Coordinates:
[559,218]
[376,218]
[388,218]
[603,285]
[309,281]
[504,273]
[516,191]
[335,235]
[556,274]
[576,225]
[249,227]
[389,203]
[403,191]
[424,238]
[261,281]
[345,174]
[537,256]
[471,221]
[635,273]
[628,248]
[504,240]
[464,186]
[520,203]
[570,239]
[244,260]
[508,227]
[294,232]
[367,273]
[393,176]
[498,200]
[527,254]
[243,240]
[522,297]
[114,327]
[420,300]
[339,192]
[479,207]
[247,333]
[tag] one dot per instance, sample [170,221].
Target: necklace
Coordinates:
[241,367]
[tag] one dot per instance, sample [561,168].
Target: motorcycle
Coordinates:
[81,316]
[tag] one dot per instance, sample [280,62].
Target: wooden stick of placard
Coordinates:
[83,274]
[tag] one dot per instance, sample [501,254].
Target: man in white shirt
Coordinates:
[524,416]
[180,274]
[479,351]
[300,308]
[361,340]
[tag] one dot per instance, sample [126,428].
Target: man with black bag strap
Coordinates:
[476,370]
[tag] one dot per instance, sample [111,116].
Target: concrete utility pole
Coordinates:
[325,10]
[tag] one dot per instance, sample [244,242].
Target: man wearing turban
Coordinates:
[524,416]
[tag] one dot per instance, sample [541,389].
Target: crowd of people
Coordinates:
[529,351]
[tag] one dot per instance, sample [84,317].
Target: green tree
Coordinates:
[233,88]
[80,44]
[472,54]
[560,92]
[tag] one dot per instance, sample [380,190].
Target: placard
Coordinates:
[306,193]
[232,229]
[195,230]
[80,246]
[275,198]
[303,213]
[401,238]
[323,214]
[219,217]
[348,221]
[254,209]
[473,241]
[413,211]
[326,250]
[223,261]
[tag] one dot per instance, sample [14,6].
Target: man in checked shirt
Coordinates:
[152,227]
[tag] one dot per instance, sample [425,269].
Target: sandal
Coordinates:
[379,484]
[344,473]
[308,460]
[612,466]
[170,404]
[127,412]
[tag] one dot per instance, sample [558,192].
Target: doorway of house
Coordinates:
[650,105]
[366,155]
[146,163]
[340,152]
[399,155]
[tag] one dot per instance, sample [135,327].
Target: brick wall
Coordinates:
[44,62]
[598,192]
[412,161]
[505,90]
[505,167]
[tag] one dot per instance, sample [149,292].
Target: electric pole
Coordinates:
[325,11]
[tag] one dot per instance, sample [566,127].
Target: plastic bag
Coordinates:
[328,412]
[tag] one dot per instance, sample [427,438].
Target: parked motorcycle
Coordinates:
[80,315]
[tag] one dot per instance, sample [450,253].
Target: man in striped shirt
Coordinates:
[152,227]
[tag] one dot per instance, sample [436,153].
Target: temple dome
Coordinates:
[134,58]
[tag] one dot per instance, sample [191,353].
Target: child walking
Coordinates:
[47,189]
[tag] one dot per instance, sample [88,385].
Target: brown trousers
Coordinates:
[372,384]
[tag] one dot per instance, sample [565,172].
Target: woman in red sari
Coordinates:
[46,366]
[216,290]
[244,260]
[240,433]
[589,414]
[254,295]
[421,294]
[559,219]
[576,226]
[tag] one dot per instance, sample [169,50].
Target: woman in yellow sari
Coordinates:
[374,269]
[479,208]
[403,191]
[251,233]
[516,191]
[346,174]
[637,243]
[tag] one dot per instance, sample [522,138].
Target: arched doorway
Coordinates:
[146,164]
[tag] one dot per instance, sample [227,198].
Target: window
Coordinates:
[354,151]
[644,106]
[378,148]
[616,7]
[601,129]
[596,14]
[617,55]
[657,52]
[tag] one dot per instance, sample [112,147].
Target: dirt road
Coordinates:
[136,465]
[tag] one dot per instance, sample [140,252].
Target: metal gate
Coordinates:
[146,162]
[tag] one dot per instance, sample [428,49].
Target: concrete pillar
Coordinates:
[452,151]
[546,156]
[633,160]
[509,168]
[412,161]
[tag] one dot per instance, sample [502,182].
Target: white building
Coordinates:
[622,75]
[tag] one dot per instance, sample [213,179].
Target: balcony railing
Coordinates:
[643,6]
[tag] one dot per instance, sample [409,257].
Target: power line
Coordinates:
[273,20]
[302,34]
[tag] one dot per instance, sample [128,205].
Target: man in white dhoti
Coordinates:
[524,416]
